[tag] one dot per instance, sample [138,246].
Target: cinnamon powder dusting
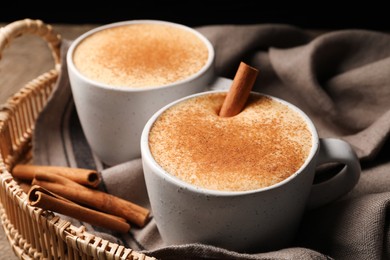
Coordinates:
[263,145]
[140,55]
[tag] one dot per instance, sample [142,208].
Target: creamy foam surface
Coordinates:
[140,55]
[263,145]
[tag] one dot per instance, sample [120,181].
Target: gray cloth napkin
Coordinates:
[341,79]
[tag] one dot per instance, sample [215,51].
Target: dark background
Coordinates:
[317,15]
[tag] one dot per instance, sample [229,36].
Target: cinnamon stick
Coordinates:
[94,198]
[239,90]
[82,176]
[42,198]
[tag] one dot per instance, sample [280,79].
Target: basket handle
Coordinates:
[35,27]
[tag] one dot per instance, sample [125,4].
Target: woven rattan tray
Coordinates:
[35,233]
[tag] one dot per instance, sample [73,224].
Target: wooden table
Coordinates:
[28,56]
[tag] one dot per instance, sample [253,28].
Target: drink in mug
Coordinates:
[241,182]
[121,73]
[142,55]
[261,146]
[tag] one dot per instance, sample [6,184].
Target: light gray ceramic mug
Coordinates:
[260,219]
[113,117]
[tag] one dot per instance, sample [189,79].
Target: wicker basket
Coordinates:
[35,233]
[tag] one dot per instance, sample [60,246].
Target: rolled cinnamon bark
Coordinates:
[42,198]
[94,198]
[82,176]
[239,90]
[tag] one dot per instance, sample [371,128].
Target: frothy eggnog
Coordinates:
[261,146]
[140,55]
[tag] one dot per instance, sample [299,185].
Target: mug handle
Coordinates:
[335,150]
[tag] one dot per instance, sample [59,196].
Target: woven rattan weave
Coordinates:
[35,233]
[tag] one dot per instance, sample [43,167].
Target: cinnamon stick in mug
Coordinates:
[94,198]
[42,198]
[239,91]
[82,176]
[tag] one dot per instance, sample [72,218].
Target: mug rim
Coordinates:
[208,65]
[158,170]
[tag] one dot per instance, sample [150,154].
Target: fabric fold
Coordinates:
[335,75]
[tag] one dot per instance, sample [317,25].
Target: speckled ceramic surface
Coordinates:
[112,118]
[266,217]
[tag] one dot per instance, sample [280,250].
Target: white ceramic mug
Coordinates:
[112,118]
[260,219]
